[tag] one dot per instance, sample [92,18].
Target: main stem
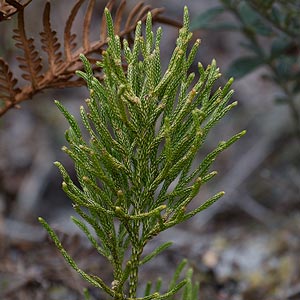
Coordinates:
[135,259]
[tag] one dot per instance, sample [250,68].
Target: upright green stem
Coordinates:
[135,259]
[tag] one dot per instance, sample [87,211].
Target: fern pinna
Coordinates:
[57,70]
[136,173]
[8,8]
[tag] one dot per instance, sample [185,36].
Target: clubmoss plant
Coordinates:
[136,171]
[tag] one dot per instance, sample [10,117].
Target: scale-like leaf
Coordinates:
[109,6]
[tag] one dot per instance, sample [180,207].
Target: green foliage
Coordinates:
[244,65]
[136,171]
[271,30]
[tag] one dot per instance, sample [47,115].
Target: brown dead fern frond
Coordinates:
[10,7]
[50,44]
[69,38]
[57,69]
[8,91]
[31,63]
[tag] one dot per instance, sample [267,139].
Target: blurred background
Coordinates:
[246,246]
